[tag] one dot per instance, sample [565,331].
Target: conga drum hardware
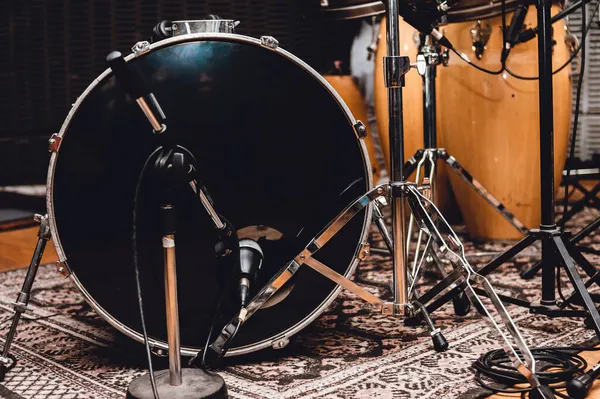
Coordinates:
[480,35]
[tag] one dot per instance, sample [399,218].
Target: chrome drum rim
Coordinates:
[159,344]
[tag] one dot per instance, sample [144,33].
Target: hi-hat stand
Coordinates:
[558,249]
[430,221]
[429,57]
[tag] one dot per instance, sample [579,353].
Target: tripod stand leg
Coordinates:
[484,193]
[20,305]
[578,285]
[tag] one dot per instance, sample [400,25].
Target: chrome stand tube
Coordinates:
[395,66]
[172,310]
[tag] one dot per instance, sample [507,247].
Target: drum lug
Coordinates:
[54,143]
[365,250]
[160,352]
[140,47]
[62,269]
[480,35]
[269,42]
[280,343]
[360,129]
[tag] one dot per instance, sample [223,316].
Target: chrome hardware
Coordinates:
[387,308]
[189,27]
[269,41]
[420,65]
[480,35]
[572,43]
[417,39]
[372,48]
[360,129]
[365,250]
[54,143]
[140,47]
[61,268]
[381,201]
[426,188]
[160,352]
[280,343]
[445,57]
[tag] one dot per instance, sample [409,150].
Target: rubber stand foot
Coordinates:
[461,304]
[196,384]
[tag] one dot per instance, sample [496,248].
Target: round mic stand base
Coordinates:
[196,384]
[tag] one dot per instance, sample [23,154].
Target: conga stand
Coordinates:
[557,247]
[429,57]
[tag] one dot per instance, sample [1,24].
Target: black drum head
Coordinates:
[276,151]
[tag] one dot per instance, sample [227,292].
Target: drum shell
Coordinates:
[412,106]
[490,124]
[119,152]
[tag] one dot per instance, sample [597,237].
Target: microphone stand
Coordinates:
[175,165]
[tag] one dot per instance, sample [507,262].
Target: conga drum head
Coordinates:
[276,149]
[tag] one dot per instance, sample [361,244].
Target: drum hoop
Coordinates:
[155,343]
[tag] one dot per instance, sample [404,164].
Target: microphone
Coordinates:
[251,258]
[530,33]
[578,387]
[514,29]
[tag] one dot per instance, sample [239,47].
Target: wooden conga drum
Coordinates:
[490,124]
[350,93]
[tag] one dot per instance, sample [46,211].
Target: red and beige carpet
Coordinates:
[66,351]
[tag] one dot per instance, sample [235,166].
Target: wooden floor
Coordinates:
[17,246]
[16,249]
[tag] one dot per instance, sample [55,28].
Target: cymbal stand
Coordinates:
[7,361]
[427,217]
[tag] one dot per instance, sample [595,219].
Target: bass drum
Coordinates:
[490,124]
[276,148]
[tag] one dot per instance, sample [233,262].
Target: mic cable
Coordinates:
[512,36]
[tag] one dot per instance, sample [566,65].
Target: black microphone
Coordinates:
[512,34]
[530,33]
[578,387]
[131,81]
[251,258]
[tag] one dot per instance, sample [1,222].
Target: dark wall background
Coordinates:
[50,51]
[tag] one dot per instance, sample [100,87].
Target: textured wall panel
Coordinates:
[53,49]
[588,131]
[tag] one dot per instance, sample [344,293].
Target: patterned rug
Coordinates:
[66,351]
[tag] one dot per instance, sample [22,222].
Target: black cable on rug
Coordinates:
[558,366]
